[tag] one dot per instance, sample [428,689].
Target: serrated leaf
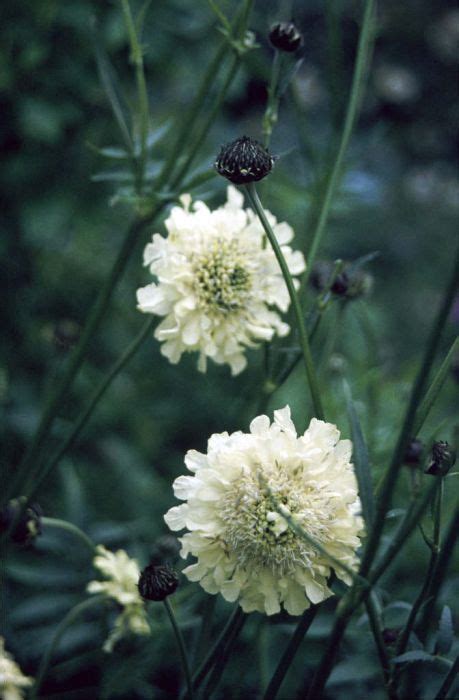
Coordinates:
[361,459]
[414,656]
[445,634]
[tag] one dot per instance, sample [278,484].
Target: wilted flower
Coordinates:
[244,547]
[123,575]
[12,680]
[443,458]
[217,282]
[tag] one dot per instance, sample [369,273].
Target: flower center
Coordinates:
[222,280]
[258,535]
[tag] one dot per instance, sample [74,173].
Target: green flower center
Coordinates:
[222,281]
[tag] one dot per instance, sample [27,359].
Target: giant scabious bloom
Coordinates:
[218,284]
[122,576]
[12,680]
[245,548]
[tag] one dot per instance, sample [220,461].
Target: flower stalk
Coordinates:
[180,646]
[304,341]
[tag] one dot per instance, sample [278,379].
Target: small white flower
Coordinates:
[244,548]
[218,282]
[12,680]
[123,576]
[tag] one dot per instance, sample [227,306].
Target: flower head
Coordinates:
[27,521]
[217,284]
[284,36]
[245,548]
[122,575]
[12,680]
[244,160]
[157,582]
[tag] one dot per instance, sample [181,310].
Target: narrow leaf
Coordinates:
[414,656]
[445,634]
[361,459]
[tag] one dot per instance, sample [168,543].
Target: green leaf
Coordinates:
[414,656]
[361,459]
[445,634]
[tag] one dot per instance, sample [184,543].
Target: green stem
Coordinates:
[434,389]
[361,67]
[181,647]
[222,658]
[424,592]
[390,477]
[448,682]
[356,595]
[304,341]
[206,626]
[70,527]
[36,477]
[142,96]
[68,620]
[289,653]
[232,623]
[76,359]
[438,576]
[376,629]
[270,115]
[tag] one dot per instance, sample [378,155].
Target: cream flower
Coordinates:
[123,576]
[12,680]
[218,283]
[244,548]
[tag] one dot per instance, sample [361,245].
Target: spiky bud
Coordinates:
[243,161]
[443,458]
[26,522]
[284,36]
[157,582]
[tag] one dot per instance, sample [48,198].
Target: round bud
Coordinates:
[443,458]
[157,582]
[26,522]
[284,36]
[243,161]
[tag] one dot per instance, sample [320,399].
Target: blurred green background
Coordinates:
[60,232]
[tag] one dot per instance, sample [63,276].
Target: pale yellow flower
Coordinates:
[12,680]
[218,285]
[244,548]
[122,575]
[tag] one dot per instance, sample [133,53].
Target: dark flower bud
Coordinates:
[157,582]
[350,283]
[284,36]
[243,161]
[390,635]
[26,524]
[413,452]
[443,458]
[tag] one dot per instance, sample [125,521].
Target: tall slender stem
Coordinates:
[181,647]
[71,528]
[304,341]
[36,476]
[361,66]
[390,477]
[222,658]
[289,653]
[384,659]
[448,682]
[142,95]
[95,316]
[68,620]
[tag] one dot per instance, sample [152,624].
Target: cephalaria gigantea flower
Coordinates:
[245,548]
[217,285]
[12,680]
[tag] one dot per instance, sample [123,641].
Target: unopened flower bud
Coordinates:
[413,452]
[26,524]
[443,458]
[284,36]
[157,582]
[244,161]
[390,635]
